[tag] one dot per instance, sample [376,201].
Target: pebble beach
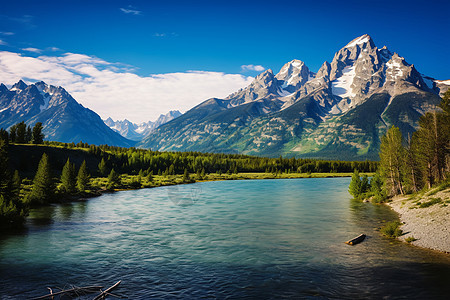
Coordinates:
[429,225]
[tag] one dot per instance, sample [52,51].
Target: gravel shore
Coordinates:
[429,225]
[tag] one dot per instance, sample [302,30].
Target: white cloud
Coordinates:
[258,68]
[162,34]
[130,11]
[34,50]
[6,33]
[53,49]
[112,90]
[3,43]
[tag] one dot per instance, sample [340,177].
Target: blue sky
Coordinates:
[159,37]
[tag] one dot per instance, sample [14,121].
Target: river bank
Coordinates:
[99,184]
[425,218]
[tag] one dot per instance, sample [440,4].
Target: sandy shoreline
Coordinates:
[429,225]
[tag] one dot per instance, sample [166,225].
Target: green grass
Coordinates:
[440,187]
[392,229]
[429,203]
[130,181]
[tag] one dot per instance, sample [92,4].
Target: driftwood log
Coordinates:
[106,292]
[72,290]
[356,240]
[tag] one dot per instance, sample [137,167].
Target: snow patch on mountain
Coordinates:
[342,86]
[360,40]
[394,69]
[46,97]
[283,93]
[446,82]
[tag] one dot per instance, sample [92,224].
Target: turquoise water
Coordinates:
[232,239]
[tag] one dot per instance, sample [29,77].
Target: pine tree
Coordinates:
[113,179]
[430,140]
[412,178]
[150,176]
[186,177]
[355,185]
[4,135]
[376,188]
[68,177]
[392,156]
[12,133]
[102,167]
[21,132]
[12,209]
[83,178]
[5,174]
[28,135]
[136,182]
[445,123]
[171,170]
[43,188]
[37,137]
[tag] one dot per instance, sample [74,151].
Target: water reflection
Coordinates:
[66,211]
[241,239]
[43,216]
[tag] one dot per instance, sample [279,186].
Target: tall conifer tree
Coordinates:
[102,167]
[37,137]
[43,184]
[68,177]
[83,178]
[392,156]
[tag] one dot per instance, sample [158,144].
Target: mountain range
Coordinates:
[137,132]
[63,118]
[339,112]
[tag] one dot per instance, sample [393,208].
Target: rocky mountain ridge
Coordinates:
[63,118]
[340,112]
[137,132]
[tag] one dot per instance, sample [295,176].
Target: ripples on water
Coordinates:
[233,239]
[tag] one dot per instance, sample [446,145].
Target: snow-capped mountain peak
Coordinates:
[362,40]
[63,118]
[137,132]
[292,76]
[19,86]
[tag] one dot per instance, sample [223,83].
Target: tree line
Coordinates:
[20,133]
[132,160]
[83,163]
[408,165]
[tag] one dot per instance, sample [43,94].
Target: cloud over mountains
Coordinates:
[113,90]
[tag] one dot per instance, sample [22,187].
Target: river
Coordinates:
[256,239]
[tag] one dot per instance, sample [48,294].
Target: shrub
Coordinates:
[358,187]
[392,229]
